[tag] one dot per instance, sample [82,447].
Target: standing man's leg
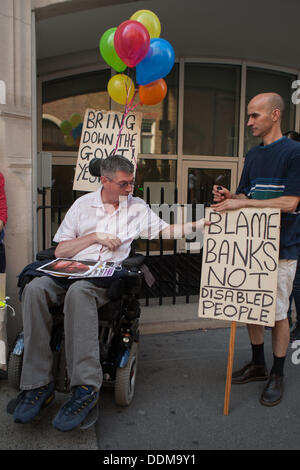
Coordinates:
[281,337]
[273,391]
[256,369]
[295,334]
[256,335]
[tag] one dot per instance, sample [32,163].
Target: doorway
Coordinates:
[198,178]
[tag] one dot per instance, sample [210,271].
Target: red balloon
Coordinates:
[131,42]
[153,93]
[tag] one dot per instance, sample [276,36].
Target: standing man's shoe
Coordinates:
[273,391]
[249,373]
[30,402]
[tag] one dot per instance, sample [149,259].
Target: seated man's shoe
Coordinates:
[30,402]
[273,391]
[249,373]
[74,412]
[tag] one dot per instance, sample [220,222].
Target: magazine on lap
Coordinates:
[71,268]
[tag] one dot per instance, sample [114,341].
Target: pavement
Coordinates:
[179,397]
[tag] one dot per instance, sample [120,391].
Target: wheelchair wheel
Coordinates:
[125,378]
[14,370]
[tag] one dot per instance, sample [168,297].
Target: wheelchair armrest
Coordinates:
[46,254]
[133,262]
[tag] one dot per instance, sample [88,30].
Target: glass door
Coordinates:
[198,178]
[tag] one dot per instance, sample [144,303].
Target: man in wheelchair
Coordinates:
[98,226]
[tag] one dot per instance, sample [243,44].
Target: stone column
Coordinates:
[16,142]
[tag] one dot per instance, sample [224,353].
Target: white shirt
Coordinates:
[132,219]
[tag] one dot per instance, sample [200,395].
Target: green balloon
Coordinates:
[108,51]
[66,127]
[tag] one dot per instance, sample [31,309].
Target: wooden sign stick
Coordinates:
[229,368]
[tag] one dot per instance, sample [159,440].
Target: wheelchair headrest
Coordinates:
[95,167]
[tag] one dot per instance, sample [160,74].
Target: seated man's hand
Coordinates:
[200,224]
[112,242]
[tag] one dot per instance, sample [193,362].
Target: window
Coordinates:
[161,139]
[148,136]
[62,98]
[154,175]
[211,109]
[211,120]
[201,181]
[156,184]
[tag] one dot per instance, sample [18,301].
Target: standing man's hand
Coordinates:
[220,193]
[228,204]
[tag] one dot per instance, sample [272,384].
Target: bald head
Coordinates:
[265,114]
[269,101]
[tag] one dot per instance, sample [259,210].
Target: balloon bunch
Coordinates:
[72,130]
[136,43]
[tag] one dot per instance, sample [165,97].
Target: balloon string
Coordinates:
[119,133]
[126,111]
[128,107]
[127,94]
[133,107]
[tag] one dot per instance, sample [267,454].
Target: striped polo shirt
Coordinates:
[272,171]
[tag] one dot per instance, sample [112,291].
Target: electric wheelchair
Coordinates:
[118,334]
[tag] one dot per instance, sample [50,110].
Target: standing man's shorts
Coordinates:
[286,275]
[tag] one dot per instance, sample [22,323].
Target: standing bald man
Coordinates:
[270,178]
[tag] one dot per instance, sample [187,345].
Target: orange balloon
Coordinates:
[153,93]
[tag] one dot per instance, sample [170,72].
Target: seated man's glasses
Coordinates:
[122,184]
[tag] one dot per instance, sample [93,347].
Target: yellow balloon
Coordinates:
[69,141]
[121,88]
[149,20]
[75,119]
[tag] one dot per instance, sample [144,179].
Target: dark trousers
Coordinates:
[2,258]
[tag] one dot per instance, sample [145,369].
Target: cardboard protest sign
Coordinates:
[239,266]
[101,132]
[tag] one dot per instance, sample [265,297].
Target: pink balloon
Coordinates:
[131,42]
